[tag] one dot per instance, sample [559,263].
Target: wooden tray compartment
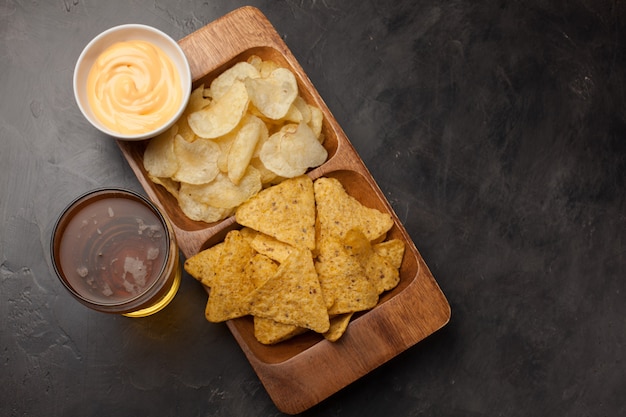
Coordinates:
[301,372]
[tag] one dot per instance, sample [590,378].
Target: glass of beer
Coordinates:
[116,253]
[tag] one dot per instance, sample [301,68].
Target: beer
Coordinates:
[115,252]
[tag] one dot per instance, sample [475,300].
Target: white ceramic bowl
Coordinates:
[126,33]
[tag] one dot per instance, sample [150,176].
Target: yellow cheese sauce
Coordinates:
[134,87]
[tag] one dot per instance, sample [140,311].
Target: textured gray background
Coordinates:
[496,130]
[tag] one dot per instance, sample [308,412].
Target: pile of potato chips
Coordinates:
[308,256]
[249,129]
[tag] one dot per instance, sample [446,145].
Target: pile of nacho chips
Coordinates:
[249,129]
[308,256]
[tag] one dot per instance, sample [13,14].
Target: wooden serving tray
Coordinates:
[301,372]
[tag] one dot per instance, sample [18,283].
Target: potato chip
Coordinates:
[197,210]
[222,115]
[266,67]
[299,112]
[269,332]
[293,295]
[203,265]
[338,326]
[274,94]
[243,146]
[303,108]
[339,212]
[345,285]
[315,123]
[197,101]
[231,288]
[225,143]
[159,158]
[169,184]
[285,211]
[222,193]
[197,160]
[379,272]
[256,61]
[292,150]
[392,250]
[267,177]
[238,72]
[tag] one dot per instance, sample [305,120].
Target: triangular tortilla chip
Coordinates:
[285,211]
[271,247]
[231,285]
[344,282]
[378,270]
[203,265]
[293,295]
[269,332]
[392,250]
[260,269]
[338,326]
[339,212]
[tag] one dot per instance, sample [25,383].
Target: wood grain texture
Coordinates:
[300,373]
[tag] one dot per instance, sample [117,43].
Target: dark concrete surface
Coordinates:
[496,129]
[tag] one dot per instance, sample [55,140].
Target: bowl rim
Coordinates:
[80,70]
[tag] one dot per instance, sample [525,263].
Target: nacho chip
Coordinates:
[339,212]
[248,234]
[203,265]
[231,287]
[260,269]
[338,326]
[345,285]
[270,332]
[293,295]
[285,211]
[379,272]
[271,247]
[392,250]
[267,331]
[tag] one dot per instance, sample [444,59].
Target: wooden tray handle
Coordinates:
[227,37]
